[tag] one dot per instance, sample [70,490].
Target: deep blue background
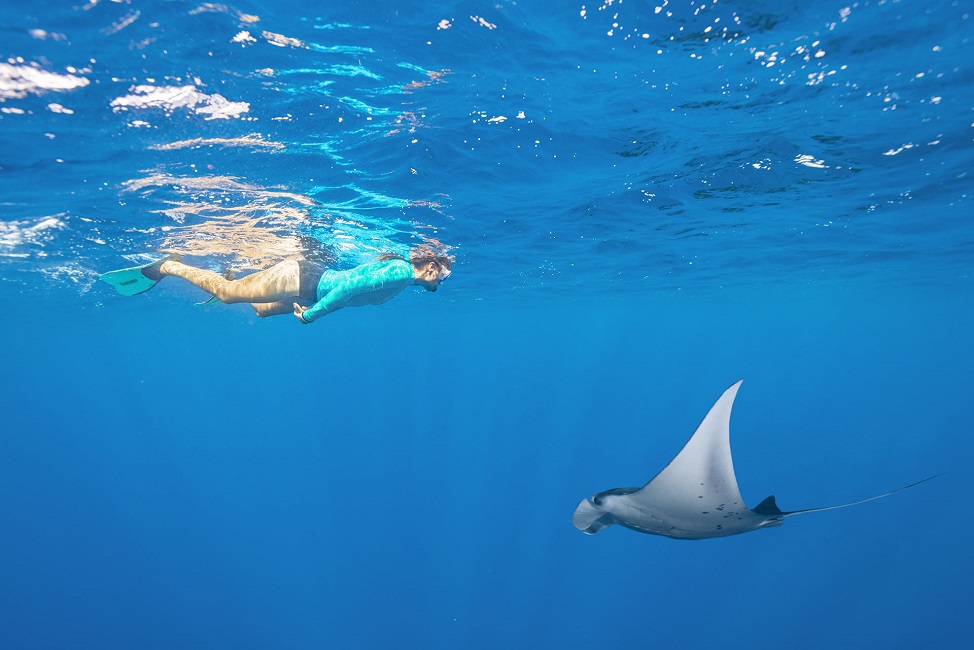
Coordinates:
[252,486]
[404,475]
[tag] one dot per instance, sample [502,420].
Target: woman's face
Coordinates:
[435,275]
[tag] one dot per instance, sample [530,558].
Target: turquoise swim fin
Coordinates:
[130,282]
[212,301]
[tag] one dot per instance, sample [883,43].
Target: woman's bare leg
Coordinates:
[265,309]
[279,283]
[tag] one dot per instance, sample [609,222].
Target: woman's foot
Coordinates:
[154,271]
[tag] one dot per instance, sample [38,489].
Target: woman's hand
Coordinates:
[298,310]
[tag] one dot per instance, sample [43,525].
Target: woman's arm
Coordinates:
[355,284]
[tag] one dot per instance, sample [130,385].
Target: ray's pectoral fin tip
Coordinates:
[696,496]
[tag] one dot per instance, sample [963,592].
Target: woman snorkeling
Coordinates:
[299,287]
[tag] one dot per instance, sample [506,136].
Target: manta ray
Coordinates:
[696,495]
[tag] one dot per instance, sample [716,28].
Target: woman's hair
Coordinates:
[422,254]
[390,256]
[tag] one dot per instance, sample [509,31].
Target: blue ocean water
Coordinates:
[646,201]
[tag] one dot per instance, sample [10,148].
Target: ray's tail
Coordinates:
[769,502]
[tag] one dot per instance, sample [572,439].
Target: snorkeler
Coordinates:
[292,285]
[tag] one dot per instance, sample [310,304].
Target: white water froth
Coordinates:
[169,98]
[17,81]
[16,234]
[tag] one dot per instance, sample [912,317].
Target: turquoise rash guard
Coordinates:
[369,284]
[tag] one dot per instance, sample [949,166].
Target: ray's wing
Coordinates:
[701,477]
[855,503]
